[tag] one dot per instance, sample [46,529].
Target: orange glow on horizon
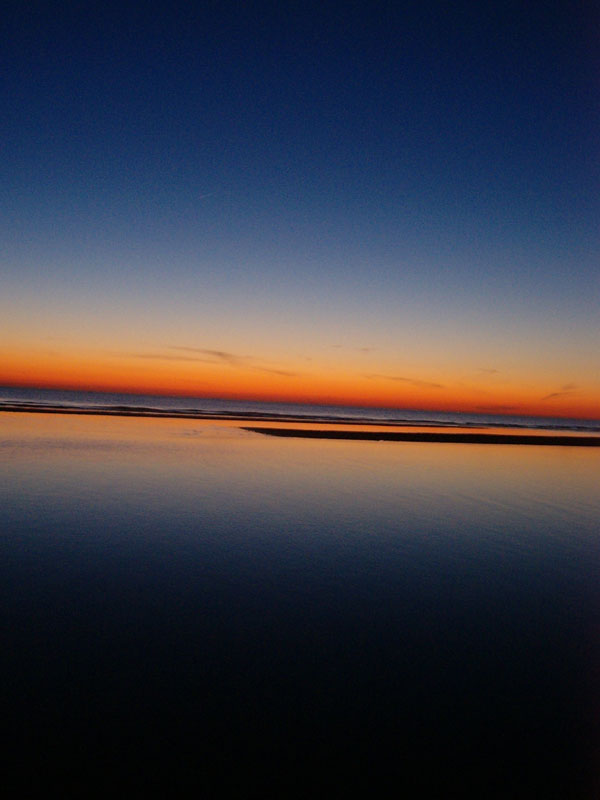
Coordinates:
[320,385]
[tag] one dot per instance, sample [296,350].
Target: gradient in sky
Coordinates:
[374,203]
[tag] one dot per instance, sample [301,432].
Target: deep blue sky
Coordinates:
[346,163]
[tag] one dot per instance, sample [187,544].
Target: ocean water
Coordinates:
[191,604]
[309,413]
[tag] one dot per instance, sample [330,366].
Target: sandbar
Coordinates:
[451,437]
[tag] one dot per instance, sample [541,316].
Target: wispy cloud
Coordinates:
[488,370]
[232,359]
[213,355]
[286,373]
[403,379]
[161,357]
[565,391]
[357,349]
[201,355]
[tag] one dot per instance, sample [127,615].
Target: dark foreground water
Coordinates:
[195,605]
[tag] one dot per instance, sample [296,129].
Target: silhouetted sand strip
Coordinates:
[451,435]
[410,436]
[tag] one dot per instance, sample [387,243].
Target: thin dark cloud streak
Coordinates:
[403,379]
[566,391]
[215,355]
[284,372]
[232,360]
[357,349]
[159,357]
[210,357]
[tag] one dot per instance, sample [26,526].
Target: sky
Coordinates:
[363,203]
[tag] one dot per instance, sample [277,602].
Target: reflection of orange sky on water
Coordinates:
[482,469]
[141,427]
[341,384]
[220,454]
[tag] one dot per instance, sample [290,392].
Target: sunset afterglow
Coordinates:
[413,231]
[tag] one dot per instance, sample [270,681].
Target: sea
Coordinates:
[194,608]
[207,407]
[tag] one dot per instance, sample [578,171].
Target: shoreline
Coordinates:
[246,416]
[334,427]
[450,437]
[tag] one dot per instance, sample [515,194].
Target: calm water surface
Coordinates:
[189,601]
